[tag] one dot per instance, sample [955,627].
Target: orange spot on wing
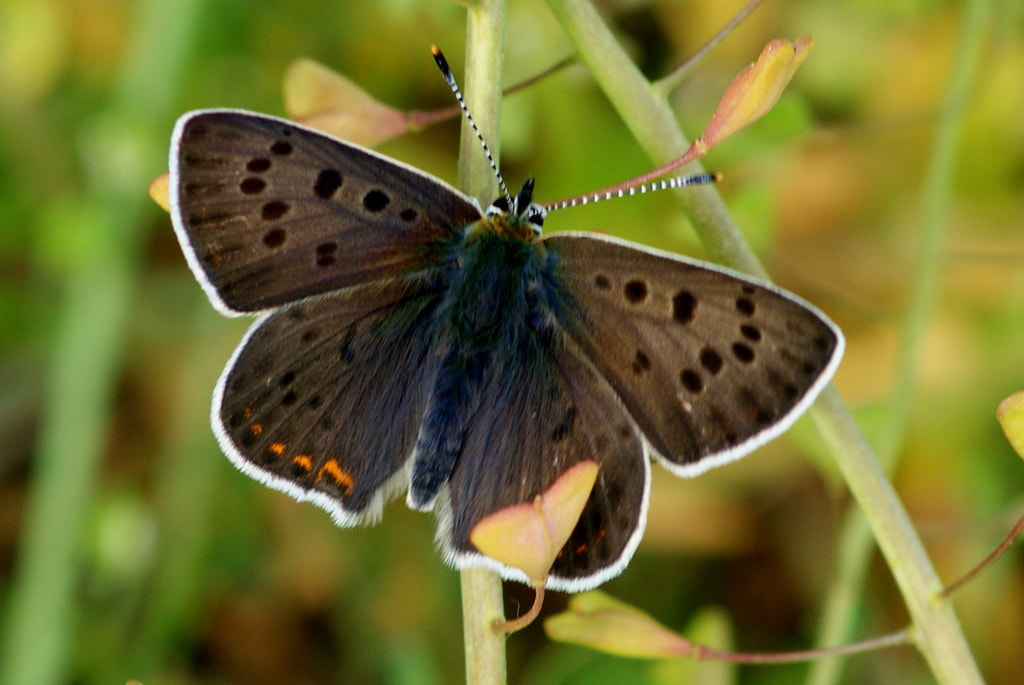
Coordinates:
[256,428]
[600,536]
[581,549]
[277,448]
[303,461]
[341,477]
[247,412]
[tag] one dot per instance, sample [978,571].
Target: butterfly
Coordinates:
[407,340]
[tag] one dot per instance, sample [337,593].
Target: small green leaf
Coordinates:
[601,622]
[1011,417]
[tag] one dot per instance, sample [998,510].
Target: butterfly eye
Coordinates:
[535,217]
[499,206]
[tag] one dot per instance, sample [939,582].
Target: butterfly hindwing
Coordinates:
[323,398]
[269,212]
[709,363]
[543,409]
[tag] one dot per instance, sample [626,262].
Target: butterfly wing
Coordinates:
[269,212]
[710,364]
[323,399]
[543,409]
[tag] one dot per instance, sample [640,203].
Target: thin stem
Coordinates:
[485,37]
[855,542]
[937,630]
[987,561]
[650,118]
[843,597]
[670,82]
[419,119]
[514,624]
[900,637]
[485,62]
[481,610]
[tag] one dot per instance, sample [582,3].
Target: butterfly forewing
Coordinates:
[324,398]
[269,212]
[709,363]
[543,409]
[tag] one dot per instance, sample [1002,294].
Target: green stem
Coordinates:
[855,542]
[649,117]
[481,610]
[669,83]
[485,38]
[937,631]
[485,62]
[652,122]
[37,632]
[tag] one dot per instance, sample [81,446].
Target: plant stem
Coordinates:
[485,38]
[37,631]
[485,62]
[650,118]
[670,82]
[481,610]
[855,541]
[937,631]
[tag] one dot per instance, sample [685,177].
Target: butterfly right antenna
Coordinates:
[446,71]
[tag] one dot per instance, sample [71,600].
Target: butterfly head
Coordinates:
[523,216]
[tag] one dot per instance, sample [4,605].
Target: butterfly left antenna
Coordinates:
[446,71]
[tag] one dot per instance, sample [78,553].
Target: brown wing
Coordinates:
[269,212]
[709,363]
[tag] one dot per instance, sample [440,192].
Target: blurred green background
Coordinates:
[154,559]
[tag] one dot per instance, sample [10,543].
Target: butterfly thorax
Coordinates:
[493,296]
[492,290]
[504,224]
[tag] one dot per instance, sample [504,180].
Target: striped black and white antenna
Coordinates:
[645,183]
[449,78]
[634,186]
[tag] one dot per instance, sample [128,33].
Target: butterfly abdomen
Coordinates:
[491,305]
